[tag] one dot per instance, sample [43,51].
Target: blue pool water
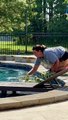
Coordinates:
[11,74]
[15,74]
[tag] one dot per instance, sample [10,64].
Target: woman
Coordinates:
[57,57]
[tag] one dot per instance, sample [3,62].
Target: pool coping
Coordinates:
[60,94]
[57,95]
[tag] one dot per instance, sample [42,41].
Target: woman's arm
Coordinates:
[33,70]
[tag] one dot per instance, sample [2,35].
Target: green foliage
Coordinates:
[37,79]
[58,22]
[11,16]
[29,16]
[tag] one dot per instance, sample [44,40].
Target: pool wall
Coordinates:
[18,58]
[21,59]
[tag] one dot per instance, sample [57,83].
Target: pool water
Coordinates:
[15,75]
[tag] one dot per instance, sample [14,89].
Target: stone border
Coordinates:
[35,99]
[18,58]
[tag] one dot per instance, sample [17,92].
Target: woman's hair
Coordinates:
[39,47]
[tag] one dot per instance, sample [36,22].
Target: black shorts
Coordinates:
[64,57]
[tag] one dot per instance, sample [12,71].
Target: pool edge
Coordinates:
[36,99]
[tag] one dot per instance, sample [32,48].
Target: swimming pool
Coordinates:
[10,72]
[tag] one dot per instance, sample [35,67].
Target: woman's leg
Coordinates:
[63,64]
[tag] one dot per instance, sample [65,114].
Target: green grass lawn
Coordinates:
[8,47]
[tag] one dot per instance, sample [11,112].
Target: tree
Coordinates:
[11,16]
[57,21]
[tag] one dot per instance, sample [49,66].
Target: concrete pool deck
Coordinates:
[56,95]
[56,111]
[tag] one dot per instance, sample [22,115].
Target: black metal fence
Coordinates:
[22,43]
